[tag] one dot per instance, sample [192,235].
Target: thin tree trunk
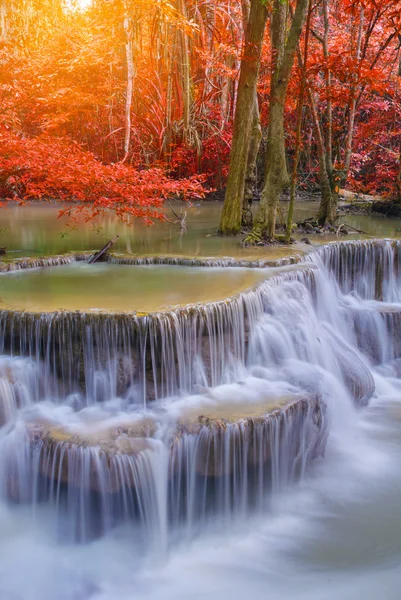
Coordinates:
[329,109]
[167,137]
[130,81]
[329,178]
[3,19]
[352,110]
[230,223]
[399,178]
[338,179]
[226,93]
[299,131]
[327,208]
[185,67]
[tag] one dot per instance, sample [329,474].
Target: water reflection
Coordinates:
[36,231]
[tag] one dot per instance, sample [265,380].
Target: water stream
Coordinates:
[233,505]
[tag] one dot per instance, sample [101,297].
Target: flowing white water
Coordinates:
[333,532]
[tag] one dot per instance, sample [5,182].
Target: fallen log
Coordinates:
[359,197]
[95,257]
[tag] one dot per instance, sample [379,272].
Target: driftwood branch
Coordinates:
[181,219]
[95,257]
[345,225]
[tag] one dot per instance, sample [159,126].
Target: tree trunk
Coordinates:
[353,104]
[399,175]
[329,181]
[3,19]
[167,137]
[251,174]
[185,68]
[329,109]
[130,81]
[226,93]
[338,178]
[277,178]
[327,208]
[298,139]
[254,144]
[231,216]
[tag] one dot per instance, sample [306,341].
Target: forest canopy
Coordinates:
[120,104]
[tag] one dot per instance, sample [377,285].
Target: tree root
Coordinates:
[260,238]
[253,238]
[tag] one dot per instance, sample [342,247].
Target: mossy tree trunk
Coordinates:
[251,171]
[277,176]
[244,120]
[283,52]
[328,205]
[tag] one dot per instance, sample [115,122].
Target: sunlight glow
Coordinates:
[80,4]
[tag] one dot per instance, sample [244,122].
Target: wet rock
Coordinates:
[374,325]
[17,379]
[254,436]
[357,378]
[215,443]
[101,461]
[354,373]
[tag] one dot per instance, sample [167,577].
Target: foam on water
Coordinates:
[325,532]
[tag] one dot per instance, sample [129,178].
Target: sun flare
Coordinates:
[81,4]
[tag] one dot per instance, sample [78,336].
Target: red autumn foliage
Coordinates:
[63,92]
[46,168]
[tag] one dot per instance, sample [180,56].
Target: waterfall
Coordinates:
[200,470]
[369,269]
[175,421]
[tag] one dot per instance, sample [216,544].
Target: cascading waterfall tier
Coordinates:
[160,472]
[143,356]
[368,275]
[370,269]
[146,357]
[121,259]
[173,420]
